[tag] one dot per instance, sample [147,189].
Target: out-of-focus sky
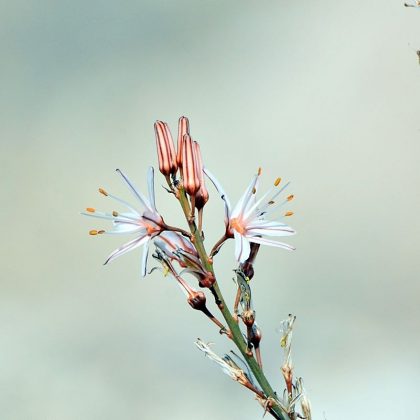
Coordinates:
[325,94]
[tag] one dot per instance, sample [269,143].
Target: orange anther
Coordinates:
[290,197]
[103,192]
[93,232]
[289,213]
[277,182]
[90,209]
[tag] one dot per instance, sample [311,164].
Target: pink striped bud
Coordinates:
[202,195]
[190,176]
[166,149]
[183,129]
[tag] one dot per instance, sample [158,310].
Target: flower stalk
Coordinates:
[234,331]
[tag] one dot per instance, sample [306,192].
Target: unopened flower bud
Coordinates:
[177,247]
[206,280]
[202,195]
[248,317]
[166,149]
[256,336]
[197,300]
[183,129]
[190,174]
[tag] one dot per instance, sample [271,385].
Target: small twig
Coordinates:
[217,245]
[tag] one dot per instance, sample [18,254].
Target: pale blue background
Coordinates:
[324,93]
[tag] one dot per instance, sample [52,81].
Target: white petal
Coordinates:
[264,241]
[270,229]
[251,210]
[269,232]
[220,190]
[143,200]
[264,224]
[126,228]
[135,243]
[151,186]
[242,247]
[243,201]
[144,258]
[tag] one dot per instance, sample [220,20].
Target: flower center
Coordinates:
[151,229]
[237,225]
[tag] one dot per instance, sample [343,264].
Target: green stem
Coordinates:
[236,333]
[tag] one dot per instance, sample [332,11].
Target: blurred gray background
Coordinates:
[325,94]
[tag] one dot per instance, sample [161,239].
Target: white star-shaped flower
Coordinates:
[145,224]
[247,222]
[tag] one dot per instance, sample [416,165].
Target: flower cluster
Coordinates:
[181,254]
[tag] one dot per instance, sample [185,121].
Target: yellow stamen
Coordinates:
[103,192]
[90,209]
[290,197]
[93,232]
[277,182]
[259,171]
[115,213]
[288,213]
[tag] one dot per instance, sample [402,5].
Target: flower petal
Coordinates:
[144,258]
[264,241]
[270,229]
[126,228]
[244,200]
[221,192]
[151,186]
[270,232]
[143,200]
[242,247]
[135,243]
